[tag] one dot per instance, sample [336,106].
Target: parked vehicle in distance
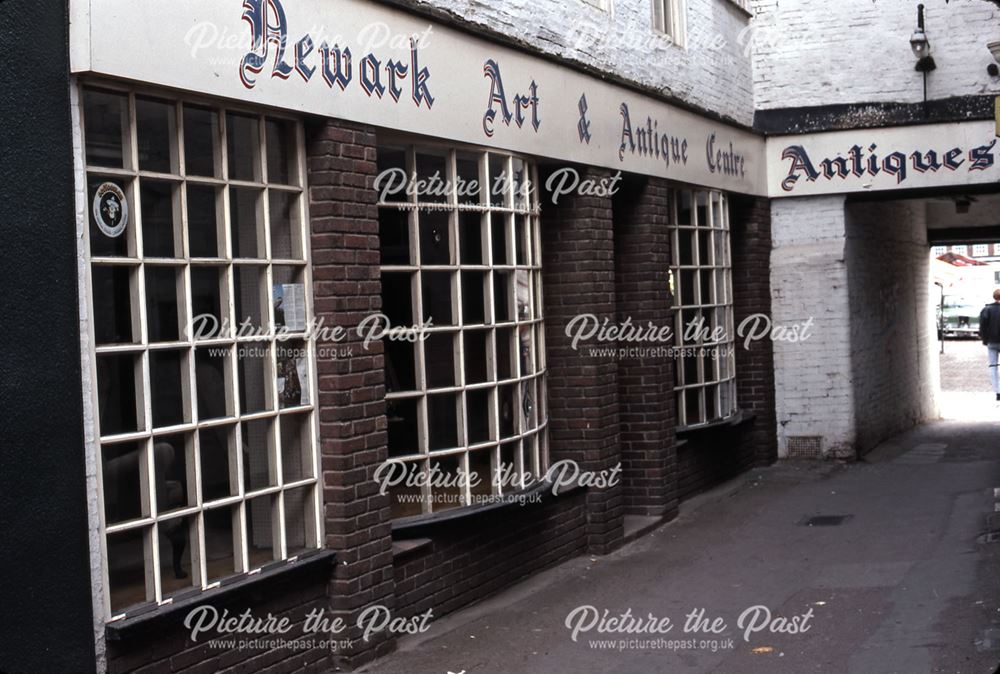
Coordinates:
[959,317]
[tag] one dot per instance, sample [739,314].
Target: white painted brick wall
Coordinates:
[814,390]
[861,273]
[893,337]
[712,72]
[822,52]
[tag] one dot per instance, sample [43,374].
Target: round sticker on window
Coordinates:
[110,209]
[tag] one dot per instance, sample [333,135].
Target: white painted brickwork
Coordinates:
[893,356]
[822,52]
[813,385]
[712,73]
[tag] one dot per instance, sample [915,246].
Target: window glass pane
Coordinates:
[393,174]
[471,234]
[394,236]
[160,230]
[175,556]
[432,174]
[254,360]
[123,466]
[155,125]
[288,295]
[242,144]
[401,417]
[260,531]
[246,226]
[208,299]
[437,297]
[503,292]
[173,474]
[168,383]
[479,413]
[520,238]
[126,570]
[106,125]
[286,231]
[400,366]
[500,181]
[508,411]
[213,373]
[435,238]
[114,320]
[451,492]
[473,293]
[505,366]
[164,287]
[298,513]
[442,421]
[117,377]
[259,469]
[469,185]
[203,207]
[397,303]
[201,134]
[251,307]
[476,356]
[218,472]
[296,447]
[440,350]
[499,228]
[220,560]
[281,144]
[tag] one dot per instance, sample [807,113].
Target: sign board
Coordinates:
[859,160]
[365,62]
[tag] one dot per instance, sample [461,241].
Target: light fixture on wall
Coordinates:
[994,48]
[921,46]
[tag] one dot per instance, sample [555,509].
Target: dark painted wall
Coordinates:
[45,604]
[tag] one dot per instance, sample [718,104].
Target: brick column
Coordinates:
[750,221]
[645,379]
[579,277]
[346,285]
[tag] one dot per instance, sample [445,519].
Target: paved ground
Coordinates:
[965,383]
[904,585]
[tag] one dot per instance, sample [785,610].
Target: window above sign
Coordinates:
[670,18]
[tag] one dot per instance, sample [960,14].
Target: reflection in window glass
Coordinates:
[195,419]
[465,268]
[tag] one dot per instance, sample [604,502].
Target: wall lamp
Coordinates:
[921,46]
[994,48]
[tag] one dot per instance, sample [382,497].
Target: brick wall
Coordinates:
[712,73]
[645,383]
[578,271]
[166,646]
[813,380]
[816,52]
[473,559]
[347,288]
[893,333]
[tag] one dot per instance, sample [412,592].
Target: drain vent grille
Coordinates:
[805,446]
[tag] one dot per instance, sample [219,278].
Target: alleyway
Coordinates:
[902,585]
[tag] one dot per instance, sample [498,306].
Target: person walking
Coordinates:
[989,332]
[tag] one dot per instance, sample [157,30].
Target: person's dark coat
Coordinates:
[989,324]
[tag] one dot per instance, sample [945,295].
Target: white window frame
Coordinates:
[981,250]
[529,440]
[149,521]
[603,5]
[938,251]
[719,390]
[960,250]
[669,17]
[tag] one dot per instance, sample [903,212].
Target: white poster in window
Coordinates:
[290,306]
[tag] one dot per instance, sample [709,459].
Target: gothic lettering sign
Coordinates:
[365,62]
[883,159]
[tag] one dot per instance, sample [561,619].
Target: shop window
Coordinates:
[670,19]
[703,306]
[205,390]
[464,258]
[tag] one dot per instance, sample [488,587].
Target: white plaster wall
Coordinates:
[822,52]
[712,72]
